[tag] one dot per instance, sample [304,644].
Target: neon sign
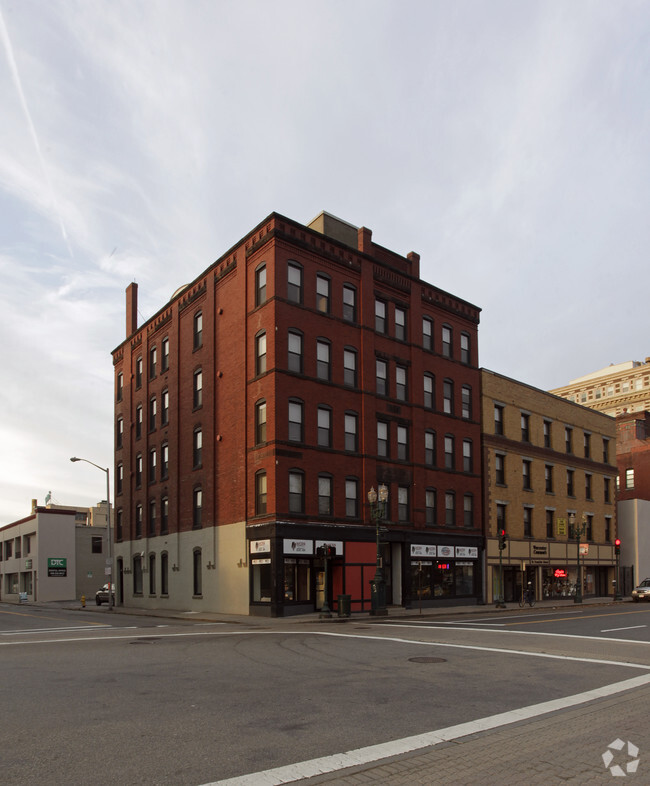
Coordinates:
[560,573]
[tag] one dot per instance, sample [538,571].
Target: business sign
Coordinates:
[57,567]
[561,528]
[467,552]
[260,546]
[445,551]
[420,550]
[294,546]
[261,561]
[584,549]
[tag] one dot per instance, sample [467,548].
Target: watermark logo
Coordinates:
[629,762]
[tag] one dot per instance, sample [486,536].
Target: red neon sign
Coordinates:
[560,573]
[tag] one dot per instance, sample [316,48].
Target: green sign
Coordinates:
[57,567]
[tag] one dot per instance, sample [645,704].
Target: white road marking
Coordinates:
[630,627]
[373,753]
[23,632]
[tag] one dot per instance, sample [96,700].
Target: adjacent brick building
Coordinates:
[545,458]
[256,409]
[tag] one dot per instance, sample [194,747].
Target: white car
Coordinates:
[642,592]
[101,596]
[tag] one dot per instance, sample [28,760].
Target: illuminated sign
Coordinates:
[560,573]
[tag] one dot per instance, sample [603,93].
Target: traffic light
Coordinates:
[617,546]
[502,539]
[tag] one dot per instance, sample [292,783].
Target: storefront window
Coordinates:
[261,580]
[464,578]
[297,583]
[443,580]
[421,579]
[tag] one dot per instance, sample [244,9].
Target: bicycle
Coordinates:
[527,597]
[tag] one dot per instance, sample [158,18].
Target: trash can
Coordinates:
[344,605]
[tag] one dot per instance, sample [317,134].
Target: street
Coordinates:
[114,698]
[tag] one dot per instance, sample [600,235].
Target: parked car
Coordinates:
[101,596]
[642,592]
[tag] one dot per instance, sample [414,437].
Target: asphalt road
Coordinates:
[117,699]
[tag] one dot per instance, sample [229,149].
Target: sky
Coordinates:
[506,142]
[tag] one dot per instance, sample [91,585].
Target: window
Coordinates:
[197,508]
[351,498]
[608,528]
[468,510]
[605,450]
[498,419]
[118,524]
[296,492]
[525,427]
[164,352]
[568,439]
[447,337]
[450,509]
[119,432]
[430,514]
[198,330]
[198,389]
[468,458]
[137,575]
[295,421]
[629,478]
[350,367]
[164,407]
[587,445]
[151,519]
[403,510]
[294,362]
[466,402]
[153,409]
[429,391]
[152,574]
[138,520]
[197,448]
[197,579]
[323,294]
[323,359]
[152,465]
[381,375]
[401,391]
[349,303]
[382,439]
[164,573]
[260,354]
[528,522]
[260,285]
[400,324]
[548,478]
[501,517]
[324,427]
[449,452]
[588,489]
[260,422]
[119,479]
[590,527]
[465,355]
[427,333]
[324,495]
[500,469]
[380,316]
[430,448]
[525,471]
[153,362]
[119,386]
[549,524]
[351,440]
[260,493]
[138,421]
[294,282]
[164,460]
[164,515]
[138,373]
[138,470]
[547,433]
[96,545]
[402,443]
[569,482]
[606,490]
[448,397]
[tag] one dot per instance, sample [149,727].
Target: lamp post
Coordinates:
[109,560]
[577,531]
[378,585]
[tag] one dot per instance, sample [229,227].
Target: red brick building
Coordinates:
[258,407]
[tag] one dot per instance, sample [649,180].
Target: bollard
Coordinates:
[83,601]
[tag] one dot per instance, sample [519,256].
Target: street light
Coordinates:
[378,585]
[577,531]
[108,523]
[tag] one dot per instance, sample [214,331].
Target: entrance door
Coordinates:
[320,588]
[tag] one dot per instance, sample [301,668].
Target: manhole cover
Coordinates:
[428,660]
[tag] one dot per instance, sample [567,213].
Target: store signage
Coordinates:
[467,552]
[335,544]
[541,550]
[28,564]
[260,546]
[561,527]
[445,551]
[57,567]
[560,573]
[420,563]
[421,550]
[260,561]
[293,546]
[584,548]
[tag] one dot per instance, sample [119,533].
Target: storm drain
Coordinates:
[425,659]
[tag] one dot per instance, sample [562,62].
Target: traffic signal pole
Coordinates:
[500,604]
[617,554]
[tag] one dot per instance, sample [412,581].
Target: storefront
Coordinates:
[443,573]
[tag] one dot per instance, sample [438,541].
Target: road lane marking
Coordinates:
[23,632]
[630,627]
[373,753]
[41,617]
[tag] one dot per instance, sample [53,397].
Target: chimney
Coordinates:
[131,309]
[34,504]
[364,240]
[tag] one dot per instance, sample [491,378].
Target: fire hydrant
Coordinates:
[83,601]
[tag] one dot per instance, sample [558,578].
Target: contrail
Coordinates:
[13,68]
